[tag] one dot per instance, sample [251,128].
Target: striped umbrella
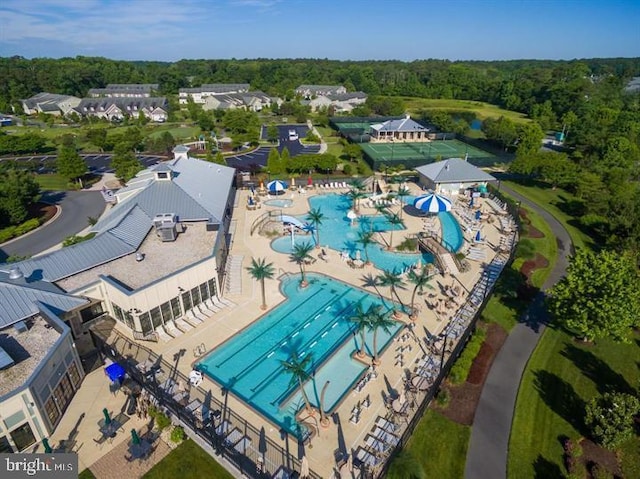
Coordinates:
[47,447]
[276,186]
[432,203]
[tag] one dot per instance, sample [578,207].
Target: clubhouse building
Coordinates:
[403,129]
[452,176]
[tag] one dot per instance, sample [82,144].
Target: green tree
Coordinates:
[530,137]
[403,192]
[18,189]
[378,320]
[315,217]
[393,281]
[362,321]
[300,256]
[599,297]
[261,270]
[273,162]
[125,163]
[394,220]
[405,465]
[285,160]
[365,238]
[273,133]
[611,418]
[420,280]
[352,151]
[70,164]
[298,369]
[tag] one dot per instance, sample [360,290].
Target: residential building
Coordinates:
[50,103]
[341,102]
[452,176]
[199,94]
[403,129]
[40,370]
[310,91]
[254,101]
[116,108]
[158,252]
[633,86]
[126,90]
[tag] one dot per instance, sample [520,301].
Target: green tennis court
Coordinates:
[399,151]
[354,125]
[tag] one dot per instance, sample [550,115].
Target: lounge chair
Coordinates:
[226,301]
[223,428]
[192,320]
[183,325]
[242,445]
[172,329]
[233,437]
[162,334]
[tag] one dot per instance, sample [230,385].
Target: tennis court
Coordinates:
[400,151]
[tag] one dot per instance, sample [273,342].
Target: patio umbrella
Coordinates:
[47,447]
[276,186]
[293,181]
[309,182]
[352,216]
[478,236]
[357,255]
[261,185]
[135,439]
[304,467]
[107,418]
[432,203]
[402,398]
[471,202]
[478,214]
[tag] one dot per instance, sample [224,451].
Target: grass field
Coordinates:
[481,109]
[178,132]
[404,150]
[52,182]
[562,375]
[187,461]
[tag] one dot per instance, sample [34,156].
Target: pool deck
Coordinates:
[391,375]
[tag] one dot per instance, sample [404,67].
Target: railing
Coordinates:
[260,221]
[140,336]
[438,251]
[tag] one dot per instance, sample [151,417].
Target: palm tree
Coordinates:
[261,270]
[380,209]
[362,320]
[300,255]
[354,195]
[393,281]
[406,466]
[402,192]
[420,280]
[324,420]
[394,220]
[315,217]
[378,320]
[371,281]
[298,369]
[365,238]
[356,184]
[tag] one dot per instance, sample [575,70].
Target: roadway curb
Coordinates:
[46,223]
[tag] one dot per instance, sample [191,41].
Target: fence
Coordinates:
[269,458]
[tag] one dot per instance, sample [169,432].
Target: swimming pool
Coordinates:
[452,238]
[313,320]
[337,233]
[279,202]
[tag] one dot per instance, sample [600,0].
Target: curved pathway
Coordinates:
[76,207]
[489,444]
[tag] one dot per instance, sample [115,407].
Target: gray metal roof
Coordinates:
[453,170]
[403,124]
[20,301]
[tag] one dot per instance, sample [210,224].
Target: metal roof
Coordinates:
[20,301]
[403,124]
[453,170]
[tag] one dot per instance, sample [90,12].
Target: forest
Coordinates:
[583,98]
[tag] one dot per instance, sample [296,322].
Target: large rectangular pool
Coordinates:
[313,320]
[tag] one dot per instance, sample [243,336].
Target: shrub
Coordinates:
[7,233]
[443,398]
[408,244]
[347,169]
[71,240]
[162,421]
[460,369]
[177,435]
[599,472]
[610,418]
[525,249]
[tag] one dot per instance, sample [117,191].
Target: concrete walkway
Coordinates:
[489,445]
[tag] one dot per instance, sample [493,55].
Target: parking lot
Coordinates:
[97,163]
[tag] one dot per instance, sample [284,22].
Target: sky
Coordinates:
[335,29]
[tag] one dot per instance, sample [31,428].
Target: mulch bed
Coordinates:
[464,398]
[41,210]
[594,454]
[529,266]
[533,232]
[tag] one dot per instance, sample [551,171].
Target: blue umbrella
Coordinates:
[478,236]
[471,202]
[277,186]
[432,203]
[478,214]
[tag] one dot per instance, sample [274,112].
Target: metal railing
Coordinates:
[272,456]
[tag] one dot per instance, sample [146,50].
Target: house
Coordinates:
[116,108]
[50,103]
[403,129]
[341,102]
[126,90]
[633,86]
[310,91]
[254,101]
[199,94]
[452,176]
[158,252]
[40,370]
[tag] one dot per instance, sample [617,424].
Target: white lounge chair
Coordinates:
[183,325]
[210,303]
[162,334]
[192,320]
[172,329]
[226,301]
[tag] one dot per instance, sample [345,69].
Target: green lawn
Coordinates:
[188,461]
[178,132]
[52,182]
[86,474]
[562,375]
[550,200]
[481,109]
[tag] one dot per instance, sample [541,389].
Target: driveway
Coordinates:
[257,159]
[489,444]
[76,206]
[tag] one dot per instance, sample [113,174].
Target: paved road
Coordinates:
[76,206]
[257,159]
[96,162]
[488,447]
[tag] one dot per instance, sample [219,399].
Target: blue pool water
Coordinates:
[279,202]
[313,320]
[337,233]
[451,233]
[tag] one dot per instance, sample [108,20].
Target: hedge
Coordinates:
[13,231]
[460,369]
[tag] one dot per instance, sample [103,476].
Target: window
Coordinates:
[74,375]
[204,292]
[165,309]
[145,323]
[23,436]
[156,318]
[175,307]
[52,411]
[195,296]
[186,301]
[92,312]
[5,447]
[212,287]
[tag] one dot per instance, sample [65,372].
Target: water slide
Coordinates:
[293,221]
